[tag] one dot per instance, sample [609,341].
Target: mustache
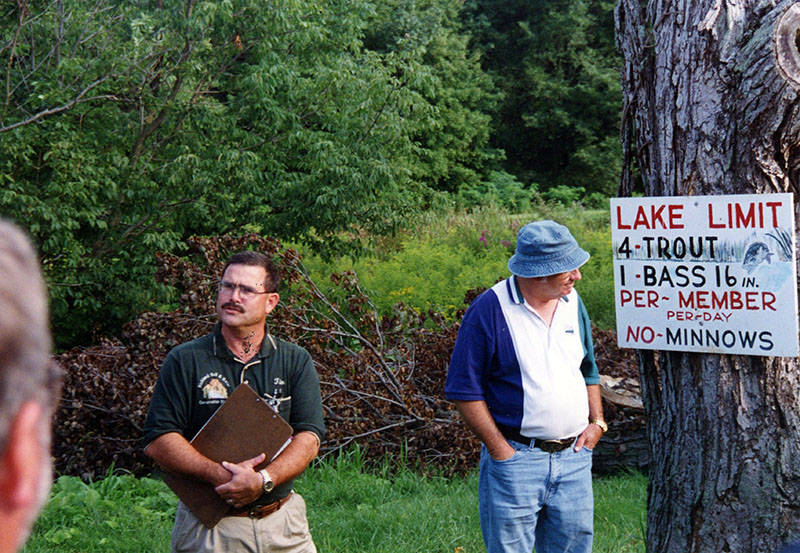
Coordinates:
[233,305]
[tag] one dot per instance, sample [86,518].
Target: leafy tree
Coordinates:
[500,189]
[127,127]
[556,63]
[453,136]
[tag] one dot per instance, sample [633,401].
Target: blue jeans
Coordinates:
[537,498]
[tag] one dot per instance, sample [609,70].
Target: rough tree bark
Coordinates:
[711,107]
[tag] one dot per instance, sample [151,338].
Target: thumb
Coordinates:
[250,463]
[230,467]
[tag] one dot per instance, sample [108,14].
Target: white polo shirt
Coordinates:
[532,375]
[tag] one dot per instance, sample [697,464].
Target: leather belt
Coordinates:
[549,446]
[553,446]
[259,511]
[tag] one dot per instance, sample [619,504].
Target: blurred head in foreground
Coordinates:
[30,384]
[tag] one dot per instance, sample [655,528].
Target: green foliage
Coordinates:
[448,254]
[350,510]
[564,195]
[434,267]
[501,189]
[597,201]
[105,516]
[128,127]
[453,136]
[556,63]
[428,275]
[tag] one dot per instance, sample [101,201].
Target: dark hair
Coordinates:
[257,259]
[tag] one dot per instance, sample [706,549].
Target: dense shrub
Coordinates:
[128,127]
[564,195]
[501,189]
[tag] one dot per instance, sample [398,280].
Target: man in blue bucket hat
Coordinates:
[524,378]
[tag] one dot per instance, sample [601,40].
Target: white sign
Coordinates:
[712,274]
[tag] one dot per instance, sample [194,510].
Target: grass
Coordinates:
[118,513]
[620,513]
[350,510]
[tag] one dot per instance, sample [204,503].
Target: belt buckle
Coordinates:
[553,446]
[260,511]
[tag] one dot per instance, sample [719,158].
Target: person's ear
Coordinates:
[21,460]
[272,301]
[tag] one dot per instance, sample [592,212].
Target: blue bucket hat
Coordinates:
[545,248]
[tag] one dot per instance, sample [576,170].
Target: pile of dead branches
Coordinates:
[382,376]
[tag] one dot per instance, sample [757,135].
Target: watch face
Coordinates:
[268,483]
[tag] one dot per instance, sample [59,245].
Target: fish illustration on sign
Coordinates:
[756,253]
[777,270]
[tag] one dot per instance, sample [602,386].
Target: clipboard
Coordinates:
[242,428]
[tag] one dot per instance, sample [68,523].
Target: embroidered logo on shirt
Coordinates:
[214,388]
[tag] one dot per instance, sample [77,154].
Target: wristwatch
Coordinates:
[267,480]
[601,423]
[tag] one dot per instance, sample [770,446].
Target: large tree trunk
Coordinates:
[710,107]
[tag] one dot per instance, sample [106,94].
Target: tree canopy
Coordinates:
[556,63]
[127,127]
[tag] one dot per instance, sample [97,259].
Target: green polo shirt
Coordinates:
[198,376]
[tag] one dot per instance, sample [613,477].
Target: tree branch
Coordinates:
[79,99]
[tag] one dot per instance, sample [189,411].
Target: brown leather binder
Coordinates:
[242,428]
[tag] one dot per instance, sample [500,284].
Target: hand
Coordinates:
[589,437]
[506,452]
[245,485]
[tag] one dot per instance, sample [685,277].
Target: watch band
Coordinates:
[601,423]
[266,480]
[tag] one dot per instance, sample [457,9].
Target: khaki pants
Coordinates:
[284,531]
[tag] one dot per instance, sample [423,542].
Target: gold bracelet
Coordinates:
[601,423]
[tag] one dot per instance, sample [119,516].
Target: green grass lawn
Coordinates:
[350,511]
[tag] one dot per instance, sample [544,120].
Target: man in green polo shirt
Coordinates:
[195,380]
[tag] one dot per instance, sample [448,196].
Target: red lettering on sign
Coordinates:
[639,298]
[744,215]
[730,299]
[653,218]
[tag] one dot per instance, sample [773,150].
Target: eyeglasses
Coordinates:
[247,293]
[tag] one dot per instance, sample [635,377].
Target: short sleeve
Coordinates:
[306,413]
[169,406]
[589,369]
[472,353]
